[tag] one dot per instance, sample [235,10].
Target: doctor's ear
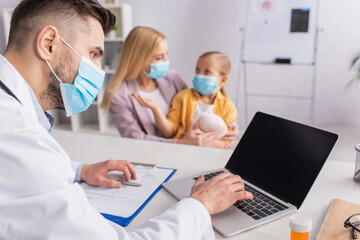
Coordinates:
[46,42]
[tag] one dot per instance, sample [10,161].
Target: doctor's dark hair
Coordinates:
[68,16]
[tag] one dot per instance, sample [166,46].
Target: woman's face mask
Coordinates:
[158,70]
[78,97]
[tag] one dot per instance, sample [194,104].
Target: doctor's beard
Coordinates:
[64,70]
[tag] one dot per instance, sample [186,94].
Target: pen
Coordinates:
[133,184]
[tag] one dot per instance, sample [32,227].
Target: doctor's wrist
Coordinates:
[83,173]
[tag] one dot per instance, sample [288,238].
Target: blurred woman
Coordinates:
[143,69]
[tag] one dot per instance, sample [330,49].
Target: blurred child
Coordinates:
[206,106]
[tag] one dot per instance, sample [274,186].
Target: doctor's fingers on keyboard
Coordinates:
[242,195]
[235,182]
[199,180]
[228,177]
[222,176]
[236,187]
[234,179]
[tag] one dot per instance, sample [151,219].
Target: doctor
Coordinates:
[52,61]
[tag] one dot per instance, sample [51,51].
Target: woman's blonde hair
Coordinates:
[224,65]
[136,52]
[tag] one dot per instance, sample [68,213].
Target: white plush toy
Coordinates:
[210,122]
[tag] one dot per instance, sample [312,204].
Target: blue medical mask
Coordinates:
[158,70]
[205,84]
[78,97]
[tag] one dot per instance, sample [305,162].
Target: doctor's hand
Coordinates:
[219,192]
[96,174]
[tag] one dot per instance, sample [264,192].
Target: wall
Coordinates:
[193,27]
[338,44]
[5,4]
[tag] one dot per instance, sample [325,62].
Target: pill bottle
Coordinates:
[300,226]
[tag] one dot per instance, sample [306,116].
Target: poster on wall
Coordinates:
[299,20]
[267,6]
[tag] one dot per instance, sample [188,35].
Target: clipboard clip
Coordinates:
[146,165]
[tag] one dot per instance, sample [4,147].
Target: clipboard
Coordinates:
[124,221]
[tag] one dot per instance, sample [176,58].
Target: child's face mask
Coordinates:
[205,84]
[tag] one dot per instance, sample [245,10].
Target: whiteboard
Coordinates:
[277,29]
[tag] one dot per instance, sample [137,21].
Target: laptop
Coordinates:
[278,160]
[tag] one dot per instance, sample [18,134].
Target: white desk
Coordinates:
[335,180]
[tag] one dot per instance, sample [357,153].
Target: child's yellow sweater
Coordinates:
[183,107]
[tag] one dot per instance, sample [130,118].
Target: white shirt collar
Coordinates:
[22,90]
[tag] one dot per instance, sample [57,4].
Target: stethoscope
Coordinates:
[8,91]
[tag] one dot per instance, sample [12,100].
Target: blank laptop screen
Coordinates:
[281,156]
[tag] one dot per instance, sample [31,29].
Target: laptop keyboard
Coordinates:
[261,206]
[210,175]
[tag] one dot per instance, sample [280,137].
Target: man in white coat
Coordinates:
[52,61]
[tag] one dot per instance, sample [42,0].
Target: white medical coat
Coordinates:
[38,196]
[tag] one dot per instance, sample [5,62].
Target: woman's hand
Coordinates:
[161,122]
[197,137]
[145,102]
[231,135]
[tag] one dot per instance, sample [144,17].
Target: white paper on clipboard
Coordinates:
[125,201]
